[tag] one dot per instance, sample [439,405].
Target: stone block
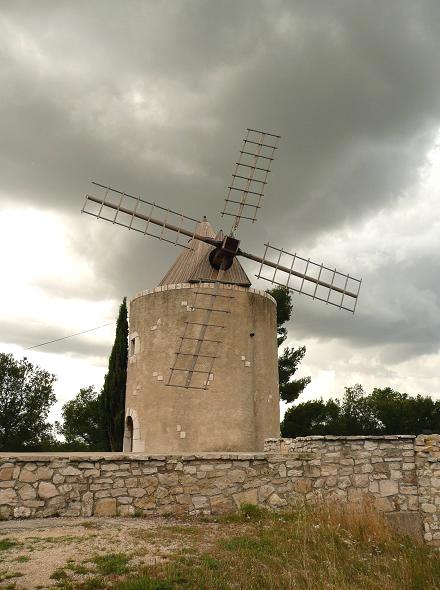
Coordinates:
[356,494]
[5,512]
[236,476]
[119,492]
[87,504]
[27,476]
[22,512]
[344,482]
[8,496]
[7,484]
[57,479]
[200,502]
[137,492]
[168,479]
[329,469]
[27,492]
[406,523]
[47,490]
[109,467]
[70,471]
[6,473]
[144,503]
[220,505]
[126,510]
[302,485]
[264,492]
[383,504]
[105,507]
[43,473]
[246,497]
[360,480]
[30,467]
[276,502]
[428,507]
[33,503]
[388,487]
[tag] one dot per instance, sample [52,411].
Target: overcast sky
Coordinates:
[154,97]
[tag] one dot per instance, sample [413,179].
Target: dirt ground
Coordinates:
[47,553]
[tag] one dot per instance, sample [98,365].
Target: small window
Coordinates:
[133,345]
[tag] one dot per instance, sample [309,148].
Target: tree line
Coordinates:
[91,421]
[94,420]
[383,411]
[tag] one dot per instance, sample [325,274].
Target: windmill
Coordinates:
[202,371]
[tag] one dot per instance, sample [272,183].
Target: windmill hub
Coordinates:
[223,256]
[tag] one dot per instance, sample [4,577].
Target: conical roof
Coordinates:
[192,265]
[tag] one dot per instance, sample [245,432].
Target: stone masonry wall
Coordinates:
[399,475]
[427,449]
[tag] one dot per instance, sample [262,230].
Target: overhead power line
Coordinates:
[70,336]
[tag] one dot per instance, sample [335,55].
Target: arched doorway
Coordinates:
[128,436]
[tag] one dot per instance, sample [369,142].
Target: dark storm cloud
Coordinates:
[153,97]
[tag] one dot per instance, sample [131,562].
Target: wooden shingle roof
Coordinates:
[193,265]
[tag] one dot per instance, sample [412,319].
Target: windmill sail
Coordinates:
[121,208]
[305,276]
[250,176]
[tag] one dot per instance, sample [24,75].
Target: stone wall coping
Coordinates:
[33,457]
[344,438]
[204,285]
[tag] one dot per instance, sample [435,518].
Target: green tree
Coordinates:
[399,413]
[310,418]
[113,391]
[26,396]
[357,416]
[290,358]
[384,411]
[82,425]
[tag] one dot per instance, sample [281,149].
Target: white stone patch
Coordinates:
[243,358]
[155,374]
[247,363]
[178,428]
[160,377]
[211,377]
[156,325]
[182,434]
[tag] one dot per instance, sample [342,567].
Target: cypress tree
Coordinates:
[113,391]
[290,358]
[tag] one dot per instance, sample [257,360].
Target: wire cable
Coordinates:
[70,336]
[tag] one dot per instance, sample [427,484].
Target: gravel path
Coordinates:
[35,549]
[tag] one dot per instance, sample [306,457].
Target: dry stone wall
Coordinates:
[427,450]
[399,475]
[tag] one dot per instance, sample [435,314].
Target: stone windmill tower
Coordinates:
[203,372]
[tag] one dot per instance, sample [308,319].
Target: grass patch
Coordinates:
[320,548]
[111,563]
[22,558]
[6,544]
[145,583]
[95,583]
[59,574]
[9,575]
